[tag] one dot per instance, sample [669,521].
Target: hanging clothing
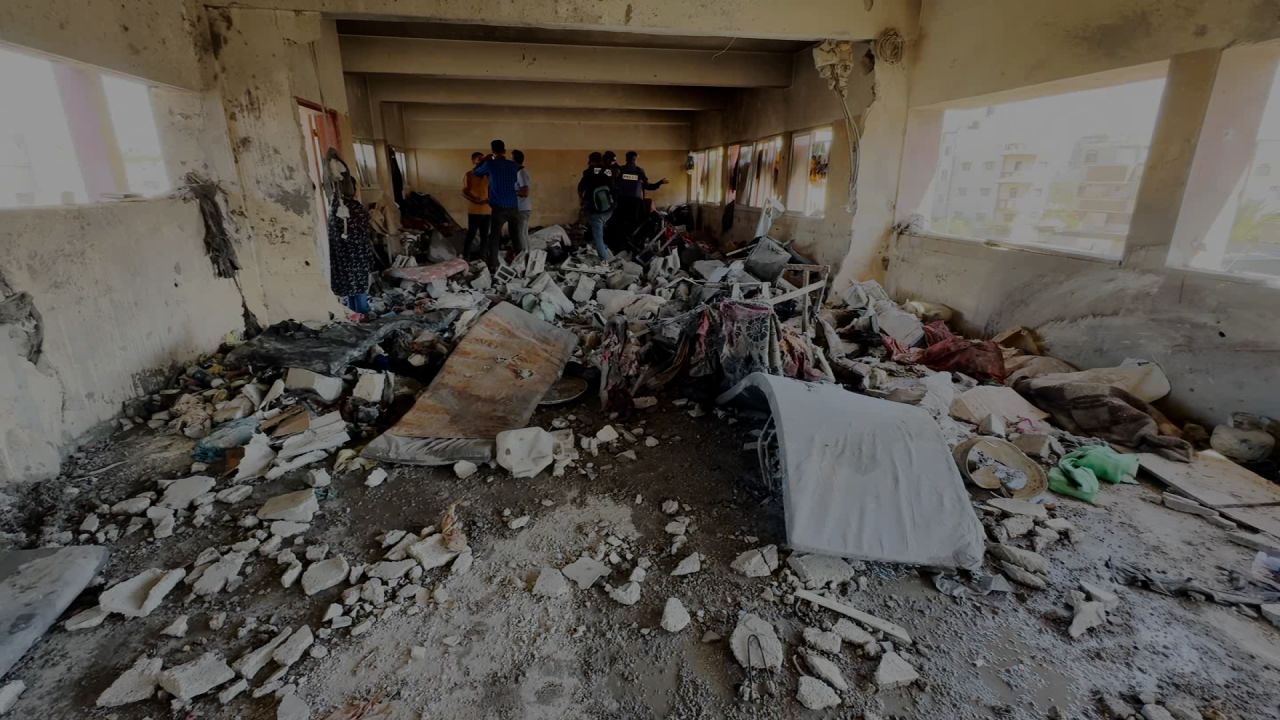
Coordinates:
[349,252]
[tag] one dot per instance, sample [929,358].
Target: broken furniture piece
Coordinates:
[491,382]
[862,477]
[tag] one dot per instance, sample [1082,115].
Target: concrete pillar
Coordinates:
[258,90]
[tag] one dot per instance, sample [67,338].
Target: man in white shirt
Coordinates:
[523,204]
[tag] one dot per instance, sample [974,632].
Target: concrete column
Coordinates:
[258,92]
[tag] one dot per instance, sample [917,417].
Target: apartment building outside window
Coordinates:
[1055,168]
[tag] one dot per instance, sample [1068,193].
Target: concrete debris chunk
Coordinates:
[141,594]
[432,552]
[464,469]
[181,493]
[688,566]
[823,640]
[825,670]
[287,529]
[324,574]
[759,562]
[1025,559]
[234,494]
[817,571]
[893,630]
[674,617]
[390,570]
[370,386]
[9,695]
[517,523]
[670,507]
[86,619]
[628,594]
[300,506]
[376,477]
[550,583]
[1186,505]
[1100,593]
[606,434]
[1089,614]
[1151,711]
[815,694]
[461,564]
[216,577]
[290,651]
[252,662]
[136,684]
[293,708]
[1022,576]
[1271,611]
[525,452]
[851,633]
[318,478]
[894,672]
[585,571]
[232,691]
[132,506]
[177,628]
[755,644]
[196,677]
[1009,506]
[327,388]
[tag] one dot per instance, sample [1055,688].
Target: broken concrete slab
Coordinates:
[1100,593]
[1009,506]
[85,619]
[1089,614]
[9,695]
[585,571]
[759,562]
[136,684]
[1271,611]
[674,617]
[179,494]
[177,628]
[325,574]
[300,506]
[293,707]
[1186,505]
[141,594]
[688,566]
[550,583]
[197,677]
[628,594]
[325,387]
[894,672]
[390,569]
[525,452]
[755,644]
[824,670]
[893,630]
[815,694]
[36,586]
[823,640]
[852,633]
[216,577]
[432,552]
[1022,576]
[1025,559]
[252,662]
[817,571]
[370,386]
[290,651]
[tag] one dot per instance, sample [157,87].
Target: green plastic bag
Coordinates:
[1078,472]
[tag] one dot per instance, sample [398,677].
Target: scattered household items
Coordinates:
[998,465]
[1078,472]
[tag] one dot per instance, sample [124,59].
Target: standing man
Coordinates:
[597,193]
[632,184]
[523,203]
[476,190]
[503,203]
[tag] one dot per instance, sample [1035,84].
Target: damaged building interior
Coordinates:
[403,359]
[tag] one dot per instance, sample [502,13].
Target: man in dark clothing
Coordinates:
[632,184]
[503,201]
[596,188]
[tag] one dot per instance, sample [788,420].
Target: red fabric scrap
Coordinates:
[946,351]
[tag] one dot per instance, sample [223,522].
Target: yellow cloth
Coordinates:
[476,187]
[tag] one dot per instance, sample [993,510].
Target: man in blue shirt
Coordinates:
[503,202]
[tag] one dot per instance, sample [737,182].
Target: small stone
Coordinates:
[606,434]
[432,552]
[196,677]
[651,441]
[85,619]
[1271,611]
[894,672]
[823,640]
[324,574]
[177,628]
[464,469]
[391,570]
[760,562]
[9,695]
[674,617]
[688,566]
[1088,615]
[519,522]
[179,494]
[1018,525]
[234,494]
[232,691]
[1022,577]
[1113,708]
[318,478]
[136,684]
[141,594]
[293,708]
[825,670]
[1183,710]
[376,477]
[217,620]
[1155,712]
[290,651]
[817,571]
[679,526]
[132,506]
[1101,594]
[711,636]
[585,571]
[550,583]
[1025,559]
[853,634]
[670,507]
[628,594]
[765,651]
[1009,506]
[300,506]
[815,694]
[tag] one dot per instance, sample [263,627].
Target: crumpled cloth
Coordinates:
[1078,472]
[1105,412]
[946,351]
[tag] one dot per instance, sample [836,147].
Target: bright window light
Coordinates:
[366,164]
[767,167]
[1058,171]
[1230,216]
[134,123]
[38,164]
[810,162]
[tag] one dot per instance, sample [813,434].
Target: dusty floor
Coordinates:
[585,656]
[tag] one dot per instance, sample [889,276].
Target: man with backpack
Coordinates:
[596,188]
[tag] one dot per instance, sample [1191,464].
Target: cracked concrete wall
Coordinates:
[1216,338]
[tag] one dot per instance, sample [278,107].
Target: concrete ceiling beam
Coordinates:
[445,91]
[563,63]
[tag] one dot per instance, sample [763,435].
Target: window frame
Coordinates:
[812,134]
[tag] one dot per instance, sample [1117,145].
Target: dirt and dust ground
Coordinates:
[494,650]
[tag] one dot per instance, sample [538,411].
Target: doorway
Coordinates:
[319,132]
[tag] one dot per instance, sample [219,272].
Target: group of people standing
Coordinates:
[497,193]
[613,195]
[497,190]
